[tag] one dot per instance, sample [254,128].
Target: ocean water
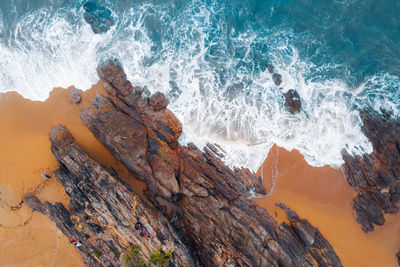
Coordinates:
[209,57]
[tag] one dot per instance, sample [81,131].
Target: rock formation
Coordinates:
[103,211]
[75,96]
[376,176]
[319,247]
[99,17]
[194,206]
[292,101]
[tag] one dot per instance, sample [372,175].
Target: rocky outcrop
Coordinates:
[376,176]
[75,96]
[100,18]
[318,246]
[292,101]
[103,211]
[206,203]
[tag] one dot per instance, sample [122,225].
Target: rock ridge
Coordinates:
[194,206]
[376,176]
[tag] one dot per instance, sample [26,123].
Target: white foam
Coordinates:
[245,114]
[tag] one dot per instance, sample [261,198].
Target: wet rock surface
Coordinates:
[277,78]
[376,176]
[100,18]
[292,101]
[194,206]
[75,96]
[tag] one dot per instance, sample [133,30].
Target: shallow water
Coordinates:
[210,58]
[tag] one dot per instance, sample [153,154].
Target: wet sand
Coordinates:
[322,196]
[29,238]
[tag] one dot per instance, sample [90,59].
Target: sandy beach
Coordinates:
[31,239]
[320,195]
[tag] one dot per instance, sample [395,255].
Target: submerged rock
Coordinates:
[100,18]
[292,101]
[270,68]
[277,78]
[376,176]
[194,207]
[75,96]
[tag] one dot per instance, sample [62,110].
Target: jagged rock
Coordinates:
[206,201]
[368,212]
[103,210]
[75,96]
[311,237]
[100,18]
[292,101]
[277,78]
[376,176]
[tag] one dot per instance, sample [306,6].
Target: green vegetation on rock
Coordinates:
[157,258]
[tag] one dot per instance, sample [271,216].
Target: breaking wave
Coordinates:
[209,58]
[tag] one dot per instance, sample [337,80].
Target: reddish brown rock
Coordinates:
[376,176]
[103,211]
[194,207]
[292,101]
[75,96]
[158,101]
[206,201]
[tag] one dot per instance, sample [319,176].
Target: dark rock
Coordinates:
[206,201]
[194,207]
[292,101]
[277,78]
[368,212]
[270,68]
[103,210]
[100,18]
[376,176]
[75,96]
[312,238]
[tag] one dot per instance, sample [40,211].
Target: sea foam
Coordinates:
[217,86]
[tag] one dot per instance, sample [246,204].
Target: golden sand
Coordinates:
[31,239]
[322,196]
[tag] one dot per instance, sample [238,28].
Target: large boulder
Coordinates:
[292,101]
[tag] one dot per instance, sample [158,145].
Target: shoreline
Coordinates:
[323,197]
[24,138]
[24,130]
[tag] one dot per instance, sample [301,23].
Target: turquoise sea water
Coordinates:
[210,58]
